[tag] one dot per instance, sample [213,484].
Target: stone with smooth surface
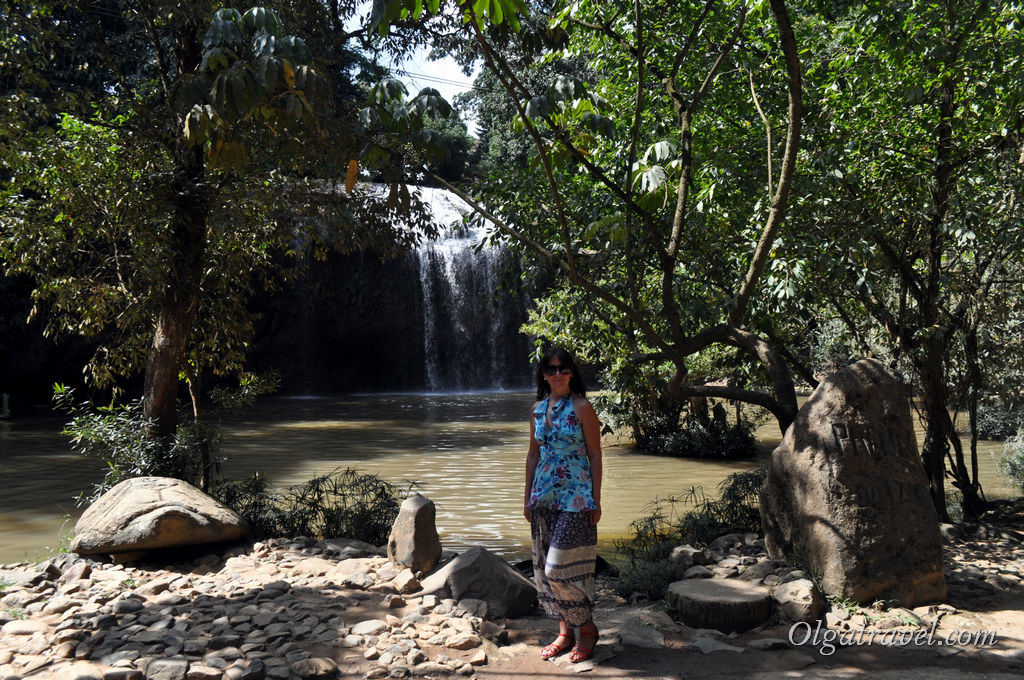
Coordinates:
[146,513]
[482,575]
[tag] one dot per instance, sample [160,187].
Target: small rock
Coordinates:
[637,635]
[369,627]
[81,670]
[474,607]
[406,582]
[23,627]
[698,571]
[167,669]
[198,672]
[463,641]
[479,658]
[317,668]
[430,668]
[766,644]
[709,645]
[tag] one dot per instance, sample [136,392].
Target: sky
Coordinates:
[444,75]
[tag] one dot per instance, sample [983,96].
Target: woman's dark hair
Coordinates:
[575,382]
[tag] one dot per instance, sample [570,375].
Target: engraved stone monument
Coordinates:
[846,494]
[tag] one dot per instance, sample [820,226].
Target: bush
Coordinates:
[650,569]
[717,439]
[343,503]
[998,419]
[1013,459]
[117,435]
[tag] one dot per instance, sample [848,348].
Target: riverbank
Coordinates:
[295,609]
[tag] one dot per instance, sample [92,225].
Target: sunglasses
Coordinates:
[551,369]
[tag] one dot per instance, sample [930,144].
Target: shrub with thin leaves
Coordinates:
[650,570]
[117,435]
[342,504]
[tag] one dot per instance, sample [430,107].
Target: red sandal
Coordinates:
[581,652]
[554,649]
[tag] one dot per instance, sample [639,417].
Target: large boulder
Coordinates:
[727,605]
[482,575]
[846,493]
[413,541]
[147,513]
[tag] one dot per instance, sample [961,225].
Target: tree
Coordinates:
[171,154]
[912,198]
[632,230]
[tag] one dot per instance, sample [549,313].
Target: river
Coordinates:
[465,451]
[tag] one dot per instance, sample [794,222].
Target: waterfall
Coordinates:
[472,307]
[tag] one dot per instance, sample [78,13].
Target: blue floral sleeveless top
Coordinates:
[562,479]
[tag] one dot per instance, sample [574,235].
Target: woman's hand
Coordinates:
[595,514]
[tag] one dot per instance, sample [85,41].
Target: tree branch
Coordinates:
[777,211]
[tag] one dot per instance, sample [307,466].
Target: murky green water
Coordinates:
[466,451]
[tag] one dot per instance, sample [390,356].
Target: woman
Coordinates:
[562,502]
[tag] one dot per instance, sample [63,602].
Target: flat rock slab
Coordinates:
[725,605]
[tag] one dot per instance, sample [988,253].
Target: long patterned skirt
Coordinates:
[564,557]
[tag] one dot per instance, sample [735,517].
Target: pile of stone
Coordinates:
[281,609]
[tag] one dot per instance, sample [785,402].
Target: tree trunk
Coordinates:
[186,253]
[936,445]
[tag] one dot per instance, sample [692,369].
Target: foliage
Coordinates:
[343,503]
[714,439]
[117,436]
[911,222]
[998,419]
[167,161]
[1013,459]
[643,192]
[650,568]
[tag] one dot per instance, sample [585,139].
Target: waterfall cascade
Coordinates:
[472,307]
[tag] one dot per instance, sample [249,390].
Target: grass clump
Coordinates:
[649,567]
[343,503]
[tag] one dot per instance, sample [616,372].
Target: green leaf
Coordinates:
[538,107]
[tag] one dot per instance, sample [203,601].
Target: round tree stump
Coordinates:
[722,604]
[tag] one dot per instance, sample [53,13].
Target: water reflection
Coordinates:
[466,451]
